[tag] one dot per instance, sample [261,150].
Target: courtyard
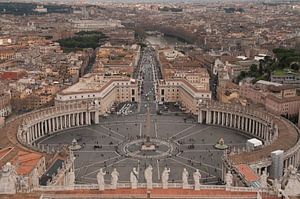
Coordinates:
[116,143]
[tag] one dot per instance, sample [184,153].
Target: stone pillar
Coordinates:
[42,129]
[73,119]
[81,117]
[77,119]
[46,127]
[53,124]
[223,119]
[214,117]
[207,117]
[39,130]
[61,122]
[259,130]
[200,117]
[238,122]
[257,127]
[57,126]
[27,137]
[243,122]
[69,120]
[34,132]
[87,118]
[50,125]
[65,121]
[227,119]
[219,117]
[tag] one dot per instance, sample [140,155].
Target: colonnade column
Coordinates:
[46,126]
[200,117]
[207,117]
[81,117]
[223,118]
[61,122]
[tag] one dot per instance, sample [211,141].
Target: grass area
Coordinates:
[279,72]
[82,40]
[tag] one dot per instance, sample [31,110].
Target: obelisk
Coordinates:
[148,145]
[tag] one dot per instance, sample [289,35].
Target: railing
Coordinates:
[144,185]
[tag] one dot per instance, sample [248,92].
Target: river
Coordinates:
[163,41]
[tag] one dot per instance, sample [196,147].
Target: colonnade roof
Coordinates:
[287,138]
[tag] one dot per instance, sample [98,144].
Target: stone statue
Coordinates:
[114,178]
[292,188]
[148,176]
[23,184]
[229,179]
[71,178]
[185,176]
[197,177]
[263,180]
[165,177]
[100,179]
[8,180]
[134,178]
[35,178]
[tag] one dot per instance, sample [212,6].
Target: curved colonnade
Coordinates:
[41,123]
[275,132]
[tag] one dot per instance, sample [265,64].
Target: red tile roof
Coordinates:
[247,172]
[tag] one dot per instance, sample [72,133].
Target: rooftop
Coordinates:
[287,138]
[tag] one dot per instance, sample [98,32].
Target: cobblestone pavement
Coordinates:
[116,143]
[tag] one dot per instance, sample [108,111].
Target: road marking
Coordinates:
[140,129]
[189,166]
[95,151]
[193,133]
[186,129]
[208,165]
[155,129]
[112,131]
[104,134]
[98,162]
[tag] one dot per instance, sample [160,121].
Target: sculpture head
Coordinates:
[134,169]
[184,169]
[197,170]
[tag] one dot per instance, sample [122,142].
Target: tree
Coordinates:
[295,66]
[253,70]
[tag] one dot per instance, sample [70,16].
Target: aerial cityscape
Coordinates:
[150,99]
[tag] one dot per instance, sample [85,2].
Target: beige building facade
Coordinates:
[100,90]
[180,90]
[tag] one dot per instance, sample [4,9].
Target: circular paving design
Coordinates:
[162,149]
[117,142]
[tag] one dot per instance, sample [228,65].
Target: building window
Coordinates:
[162,92]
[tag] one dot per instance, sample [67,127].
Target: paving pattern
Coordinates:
[191,146]
[117,141]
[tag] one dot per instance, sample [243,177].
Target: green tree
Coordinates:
[295,66]
[253,70]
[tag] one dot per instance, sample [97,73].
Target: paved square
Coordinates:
[116,143]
